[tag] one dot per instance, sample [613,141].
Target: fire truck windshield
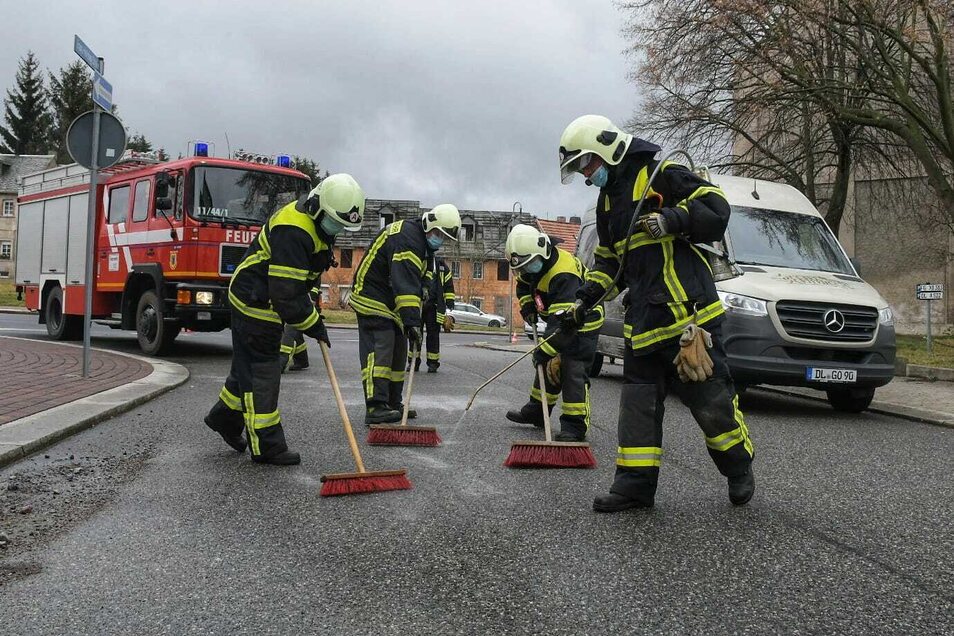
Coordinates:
[236,196]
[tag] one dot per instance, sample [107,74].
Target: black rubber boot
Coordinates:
[569,436]
[615,502]
[382,415]
[529,413]
[432,367]
[284,458]
[298,366]
[235,441]
[411,413]
[741,488]
[417,365]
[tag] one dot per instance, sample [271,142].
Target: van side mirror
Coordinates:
[163,203]
[856,265]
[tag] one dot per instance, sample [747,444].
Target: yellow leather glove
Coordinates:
[552,370]
[693,363]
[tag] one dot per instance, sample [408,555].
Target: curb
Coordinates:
[464,332]
[509,348]
[922,416]
[17,310]
[35,432]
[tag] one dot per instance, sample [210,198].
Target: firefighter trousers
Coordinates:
[249,398]
[432,337]
[293,349]
[574,385]
[382,351]
[647,379]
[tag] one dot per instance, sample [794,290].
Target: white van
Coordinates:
[799,315]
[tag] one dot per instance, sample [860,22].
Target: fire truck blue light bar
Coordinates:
[201,149]
[283,161]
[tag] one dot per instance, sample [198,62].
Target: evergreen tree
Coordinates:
[70,96]
[27,114]
[139,143]
[309,167]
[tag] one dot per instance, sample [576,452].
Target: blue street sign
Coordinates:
[102,92]
[85,53]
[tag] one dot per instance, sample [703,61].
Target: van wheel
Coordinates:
[597,365]
[59,325]
[155,335]
[851,400]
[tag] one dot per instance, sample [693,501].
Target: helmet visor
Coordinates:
[449,232]
[572,163]
[351,220]
[519,261]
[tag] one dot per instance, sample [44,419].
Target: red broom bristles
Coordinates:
[361,483]
[403,436]
[538,455]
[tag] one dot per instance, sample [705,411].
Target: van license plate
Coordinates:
[814,374]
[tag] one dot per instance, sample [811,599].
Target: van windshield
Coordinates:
[785,239]
[234,195]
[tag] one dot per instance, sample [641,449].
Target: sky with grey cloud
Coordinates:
[454,101]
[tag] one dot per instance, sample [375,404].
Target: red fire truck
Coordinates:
[168,236]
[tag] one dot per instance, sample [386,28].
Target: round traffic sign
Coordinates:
[112,140]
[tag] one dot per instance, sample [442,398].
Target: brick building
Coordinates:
[12,167]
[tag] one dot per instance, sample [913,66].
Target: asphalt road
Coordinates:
[157,527]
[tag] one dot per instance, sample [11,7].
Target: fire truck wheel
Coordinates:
[59,325]
[154,334]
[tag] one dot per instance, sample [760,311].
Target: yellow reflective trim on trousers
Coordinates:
[254,312]
[366,376]
[676,290]
[740,419]
[281,271]
[308,322]
[536,395]
[381,372]
[653,336]
[407,300]
[639,456]
[409,256]
[449,296]
[396,376]
[574,408]
[230,399]
[266,420]
[302,347]
[250,424]
[725,441]
[433,356]
[287,349]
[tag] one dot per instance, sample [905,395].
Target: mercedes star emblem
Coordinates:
[834,320]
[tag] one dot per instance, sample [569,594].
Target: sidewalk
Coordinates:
[910,398]
[45,398]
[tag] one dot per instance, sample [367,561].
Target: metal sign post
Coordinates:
[929,292]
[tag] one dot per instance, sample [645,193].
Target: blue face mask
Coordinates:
[600,177]
[534,266]
[435,242]
[329,225]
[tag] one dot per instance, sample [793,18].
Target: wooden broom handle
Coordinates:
[544,400]
[410,387]
[341,408]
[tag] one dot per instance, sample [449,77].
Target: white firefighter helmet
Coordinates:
[444,217]
[340,197]
[587,136]
[524,243]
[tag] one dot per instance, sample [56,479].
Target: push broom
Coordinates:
[548,454]
[404,435]
[362,481]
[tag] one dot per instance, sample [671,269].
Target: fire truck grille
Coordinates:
[827,322]
[230,257]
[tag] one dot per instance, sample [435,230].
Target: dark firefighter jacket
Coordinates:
[669,279]
[556,287]
[280,269]
[439,287]
[388,282]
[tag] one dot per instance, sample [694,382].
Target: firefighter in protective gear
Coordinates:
[387,296]
[548,280]
[670,288]
[270,288]
[294,351]
[438,298]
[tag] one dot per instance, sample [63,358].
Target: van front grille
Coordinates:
[230,257]
[827,322]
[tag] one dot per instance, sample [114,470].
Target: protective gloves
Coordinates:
[693,363]
[552,370]
[528,311]
[319,332]
[449,304]
[655,225]
[413,337]
[540,357]
[574,317]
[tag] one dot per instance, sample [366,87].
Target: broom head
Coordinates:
[533,454]
[396,435]
[361,483]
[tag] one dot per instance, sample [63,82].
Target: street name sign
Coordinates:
[928,291]
[102,92]
[85,53]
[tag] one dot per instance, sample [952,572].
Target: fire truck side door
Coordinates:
[114,259]
[166,222]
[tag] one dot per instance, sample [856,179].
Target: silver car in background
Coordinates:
[467,314]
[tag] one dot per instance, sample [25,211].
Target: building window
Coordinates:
[141,202]
[478,270]
[4,273]
[477,302]
[8,207]
[455,269]
[503,270]
[387,218]
[467,231]
[345,258]
[6,249]
[118,204]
